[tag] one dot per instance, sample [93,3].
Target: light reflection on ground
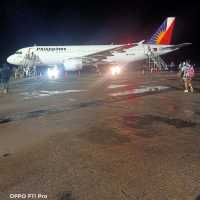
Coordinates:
[116,86]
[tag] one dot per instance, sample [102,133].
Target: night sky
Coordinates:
[25,22]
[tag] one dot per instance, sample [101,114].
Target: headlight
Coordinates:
[115,70]
[53,72]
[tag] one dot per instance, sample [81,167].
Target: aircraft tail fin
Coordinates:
[164,34]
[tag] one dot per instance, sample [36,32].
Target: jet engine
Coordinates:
[73,64]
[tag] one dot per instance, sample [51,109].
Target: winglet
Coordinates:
[141,42]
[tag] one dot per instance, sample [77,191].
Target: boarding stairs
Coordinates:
[28,65]
[156,60]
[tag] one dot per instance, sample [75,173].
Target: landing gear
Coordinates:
[79,73]
[65,75]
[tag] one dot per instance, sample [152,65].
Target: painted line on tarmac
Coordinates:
[46,93]
[140,90]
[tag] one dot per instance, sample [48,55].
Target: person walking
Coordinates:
[181,72]
[5,76]
[180,66]
[0,75]
[172,66]
[188,74]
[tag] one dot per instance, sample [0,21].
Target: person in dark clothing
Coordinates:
[5,77]
[0,75]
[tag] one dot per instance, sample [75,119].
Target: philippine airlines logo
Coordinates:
[164,34]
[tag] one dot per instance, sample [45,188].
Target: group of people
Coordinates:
[187,73]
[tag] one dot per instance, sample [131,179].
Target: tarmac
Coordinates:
[129,137]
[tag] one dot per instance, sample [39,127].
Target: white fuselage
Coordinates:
[58,55]
[73,55]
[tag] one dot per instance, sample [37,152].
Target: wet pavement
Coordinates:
[129,137]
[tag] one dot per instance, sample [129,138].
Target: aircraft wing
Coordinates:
[175,47]
[101,55]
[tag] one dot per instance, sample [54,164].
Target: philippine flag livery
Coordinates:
[164,34]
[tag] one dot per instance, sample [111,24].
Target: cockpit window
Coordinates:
[18,52]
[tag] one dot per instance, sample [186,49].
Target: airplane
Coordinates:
[73,58]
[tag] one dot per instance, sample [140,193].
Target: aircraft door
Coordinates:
[31,53]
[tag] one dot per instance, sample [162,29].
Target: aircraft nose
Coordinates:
[12,60]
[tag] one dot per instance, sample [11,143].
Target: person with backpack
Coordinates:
[188,74]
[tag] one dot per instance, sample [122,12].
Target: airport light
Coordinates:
[115,70]
[53,73]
